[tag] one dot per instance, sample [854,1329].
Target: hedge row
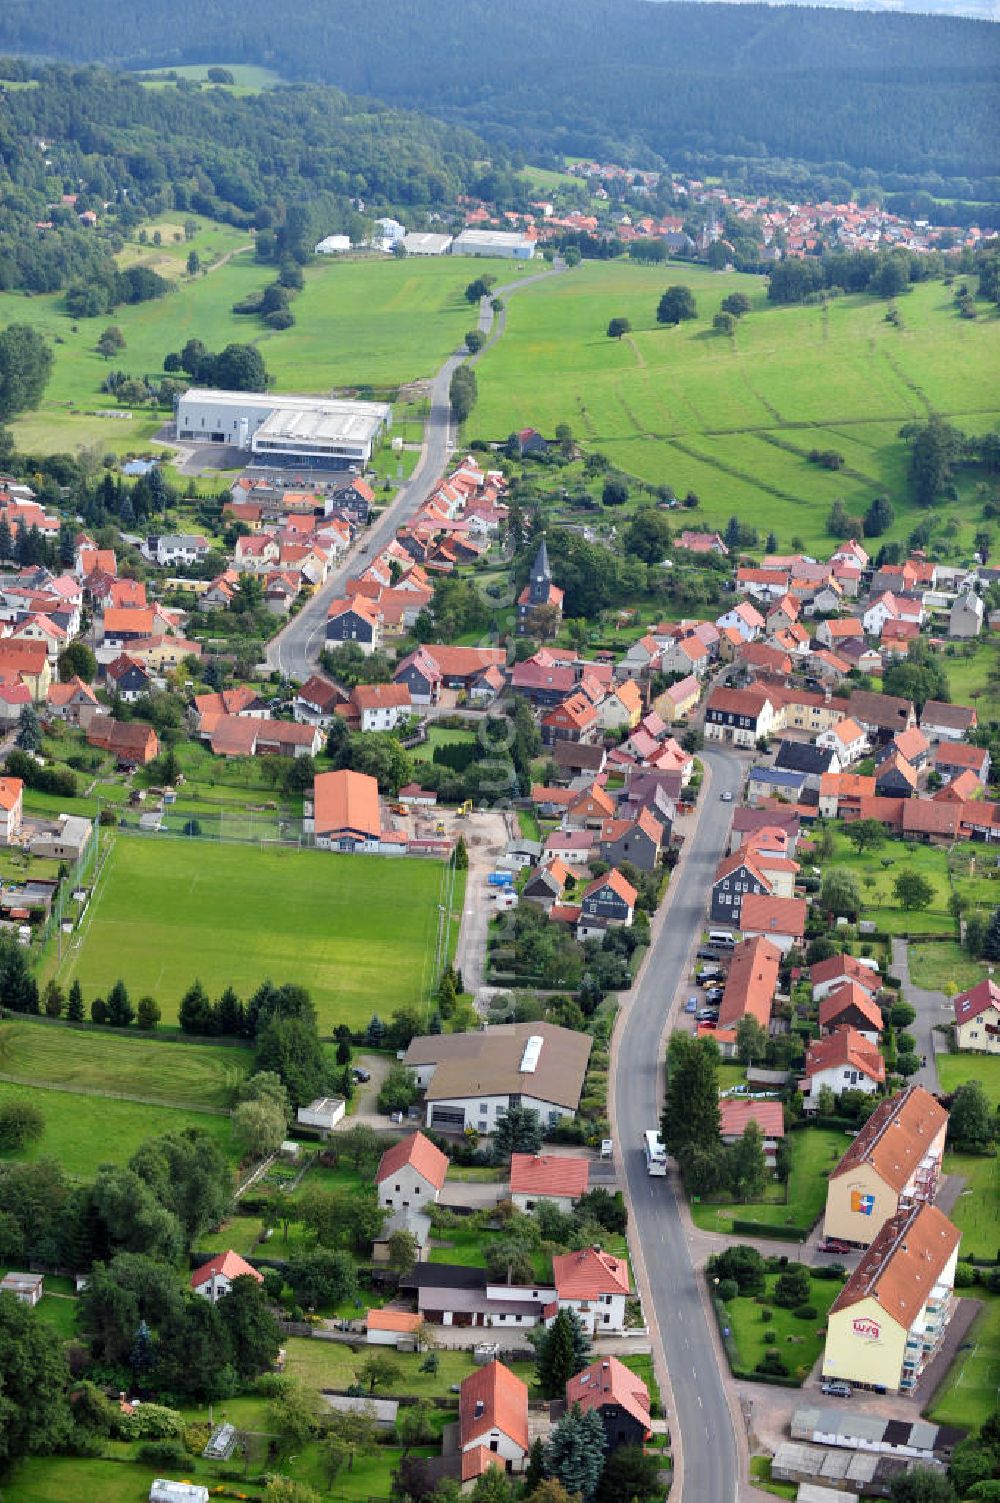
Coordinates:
[748,1228]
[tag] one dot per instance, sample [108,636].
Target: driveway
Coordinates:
[486,836]
[931,1008]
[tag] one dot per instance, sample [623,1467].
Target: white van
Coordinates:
[722,939]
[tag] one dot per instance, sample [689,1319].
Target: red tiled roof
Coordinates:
[845,1047]
[846,966]
[420,1153]
[978,999]
[773,915]
[896,1136]
[903,1264]
[587,1274]
[737,1111]
[393,1320]
[227,1264]
[548,1174]
[849,994]
[493,1398]
[619,885]
[609,1381]
[751,983]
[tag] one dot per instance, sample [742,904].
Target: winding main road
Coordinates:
[699,1416]
[295,651]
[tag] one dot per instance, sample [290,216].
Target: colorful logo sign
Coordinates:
[867,1328]
[861,1203]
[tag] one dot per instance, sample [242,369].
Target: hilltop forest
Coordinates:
[295,161]
[909,97]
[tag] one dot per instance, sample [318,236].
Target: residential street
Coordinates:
[295,650]
[698,1410]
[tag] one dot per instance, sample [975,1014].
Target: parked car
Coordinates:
[726,797]
[360,1076]
[838,1390]
[709,973]
[715,994]
[707,953]
[691,1005]
[707,1015]
[834,1245]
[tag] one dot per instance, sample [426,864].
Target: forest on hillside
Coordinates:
[894,94]
[296,161]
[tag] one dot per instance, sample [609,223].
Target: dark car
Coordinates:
[707,953]
[715,994]
[361,1076]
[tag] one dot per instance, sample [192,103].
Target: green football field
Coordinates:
[734,418]
[358,931]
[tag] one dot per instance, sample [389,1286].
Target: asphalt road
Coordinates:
[295,650]
[700,1414]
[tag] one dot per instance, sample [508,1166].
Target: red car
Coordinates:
[835,1245]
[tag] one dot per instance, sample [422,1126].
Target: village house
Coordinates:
[639,840]
[736,1113]
[965,619]
[845,1062]
[952,760]
[132,743]
[73,702]
[880,715]
[553,1179]
[947,722]
[621,1399]
[622,708]
[892,1314]
[30,662]
[27,1288]
[596,1286]
[736,876]
[851,1005]
[469,1079]
[893,1163]
[977,1018]
[847,740]
[214,1279]
[380,707]
[781,920]
[11,809]
[608,902]
[317,701]
[492,1421]
[679,700]
[740,716]
[355,620]
[127,677]
[410,1174]
[749,991]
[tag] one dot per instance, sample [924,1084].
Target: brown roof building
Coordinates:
[893,1163]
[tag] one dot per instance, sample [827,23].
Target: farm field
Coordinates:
[968,1394]
[368,322]
[814,1152]
[734,418]
[195,1075]
[359,933]
[83,1132]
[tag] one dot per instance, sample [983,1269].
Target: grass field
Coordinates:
[876,871]
[330,1364]
[953,1069]
[358,932]
[83,1132]
[814,1152]
[195,1075]
[734,418]
[247,78]
[935,967]
[975,1210]
[968,1395]
[799,1342]
[373,321]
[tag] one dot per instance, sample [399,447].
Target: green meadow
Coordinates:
[83,1132]
[358,931]
[734,418]
[374,321]
[247,77]
[181,1075]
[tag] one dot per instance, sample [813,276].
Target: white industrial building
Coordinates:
[320,433]
[423,243]
[504,243]
[333,245]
